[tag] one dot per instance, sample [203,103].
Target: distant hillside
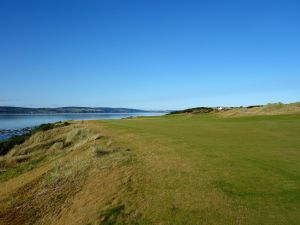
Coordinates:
[22,110]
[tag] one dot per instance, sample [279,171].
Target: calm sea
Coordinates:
[12,122]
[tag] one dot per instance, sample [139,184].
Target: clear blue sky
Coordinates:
[149,54]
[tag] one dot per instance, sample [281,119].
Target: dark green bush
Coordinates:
[6,145]
[194,110]
[44,127]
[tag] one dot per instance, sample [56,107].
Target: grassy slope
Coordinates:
[181,169]
[209,170]
[67,175]
[269,109]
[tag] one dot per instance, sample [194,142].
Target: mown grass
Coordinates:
[204,169]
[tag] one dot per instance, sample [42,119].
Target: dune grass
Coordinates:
[66,175]
[205,169]
[7,145]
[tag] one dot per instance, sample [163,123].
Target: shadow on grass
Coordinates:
[110,216]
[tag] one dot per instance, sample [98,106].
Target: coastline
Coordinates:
[8,133]
[19,124]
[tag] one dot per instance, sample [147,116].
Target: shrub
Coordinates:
[6,145]
[45,127]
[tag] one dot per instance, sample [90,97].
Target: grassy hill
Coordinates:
[211,168]
[268,109]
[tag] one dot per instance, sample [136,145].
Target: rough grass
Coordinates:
[7,145]
[18,170]
[268,109]
[58,171]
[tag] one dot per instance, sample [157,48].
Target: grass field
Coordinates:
[205,169]
[176,169]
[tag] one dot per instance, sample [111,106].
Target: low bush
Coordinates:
[45,127]
[253,106]
[194,110]
[6,145]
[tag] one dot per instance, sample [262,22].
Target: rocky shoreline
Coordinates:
[5,134]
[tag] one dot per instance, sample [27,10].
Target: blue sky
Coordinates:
[149,54]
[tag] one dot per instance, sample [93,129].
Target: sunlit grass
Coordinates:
[217,170]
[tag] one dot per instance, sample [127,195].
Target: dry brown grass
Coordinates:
[269,109]
[73,184]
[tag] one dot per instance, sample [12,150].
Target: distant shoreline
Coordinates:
[78,113]
[15,124]
[73,110]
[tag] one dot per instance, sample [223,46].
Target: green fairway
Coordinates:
[205,169]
